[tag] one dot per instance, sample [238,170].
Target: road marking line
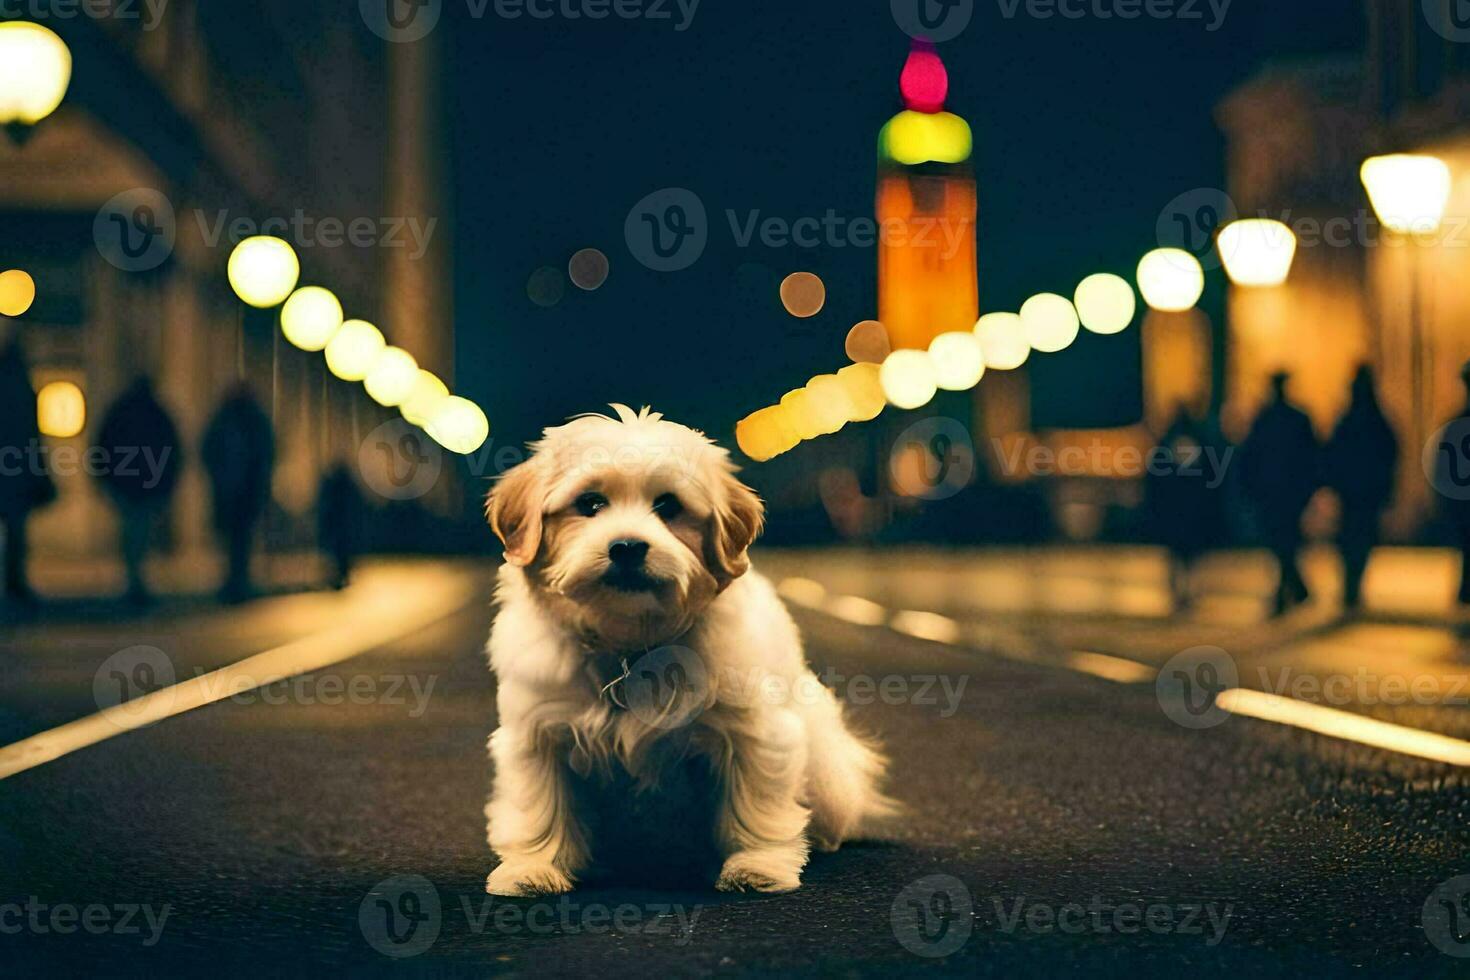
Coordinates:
[856,609]
[1111,668]
[1345,725]
[926,626]
[399,611]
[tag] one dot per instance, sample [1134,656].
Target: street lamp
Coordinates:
[1050,322]
[310,317]
[1105,303]
[353,349]
[459,425]
[1171,280]
[392,378]
[35,71]
[1257,252]
[263,271]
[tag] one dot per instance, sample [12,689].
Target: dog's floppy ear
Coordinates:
[737,520]
[514,510]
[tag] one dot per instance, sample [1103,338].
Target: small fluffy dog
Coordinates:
[635,649]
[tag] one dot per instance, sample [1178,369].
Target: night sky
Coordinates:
[1084,130]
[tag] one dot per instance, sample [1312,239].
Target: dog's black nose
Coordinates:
[628,552]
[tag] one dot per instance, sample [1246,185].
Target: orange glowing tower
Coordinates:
[927,278]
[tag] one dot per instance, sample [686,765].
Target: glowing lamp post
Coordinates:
[1050,322]
[392,378]
[926,207]
[909,379]
[263,271]
[1003,341]
[1257,252]
[35,72]
[959,361]
[428,391]
[353,349]
[310,317]
[1105,303]
[1171,280]
[459,425]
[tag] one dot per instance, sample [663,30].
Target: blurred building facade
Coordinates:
[270,116]
[1297,136]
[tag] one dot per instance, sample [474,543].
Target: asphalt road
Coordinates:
[1058,823]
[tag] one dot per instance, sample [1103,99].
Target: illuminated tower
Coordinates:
[927,279]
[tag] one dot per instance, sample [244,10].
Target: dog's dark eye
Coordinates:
[588,504]
[668,507]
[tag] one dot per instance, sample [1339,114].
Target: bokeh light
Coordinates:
[17,292]
[867,343]
[924,82]
[1257,252]
[1105,303]
[35,72]
[1050,322]
[353,349]
[828,402]
[546,286]
[799,414]
[588,269]
[908,379]
[459,425]
[864,391]
[1003,341]
[310,317]
[958,361]
[1171,280]
[766,434]
[61,410]
[392,377]
[803,294]
[263,271]
[428,391]
[1409,191]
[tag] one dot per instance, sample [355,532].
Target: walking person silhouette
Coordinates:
[239,453]
[1360,464]
[1279,474]
[1452,480]
[25,483]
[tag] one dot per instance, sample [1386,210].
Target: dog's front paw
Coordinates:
[758,871]
[524,879]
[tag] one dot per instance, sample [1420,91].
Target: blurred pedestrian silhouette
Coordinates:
[25,483]
[139,447]
[1360,464]
[239,452]
[1452,454]
[1279,474]
[339,521]
[1184,496]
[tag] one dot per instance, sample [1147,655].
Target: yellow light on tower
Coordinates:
[61,410]
[1257,251]
[353,349]
[1171,280]
[1050,322]
[1409,191]
[392,377]
[1105,303]
[1003,341]
[428,391]
[17,292]
[908,379]
[458,424]
[310,317]
[263,271]
[35,71]
[958,360]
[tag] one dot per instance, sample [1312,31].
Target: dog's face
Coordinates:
[628,528]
